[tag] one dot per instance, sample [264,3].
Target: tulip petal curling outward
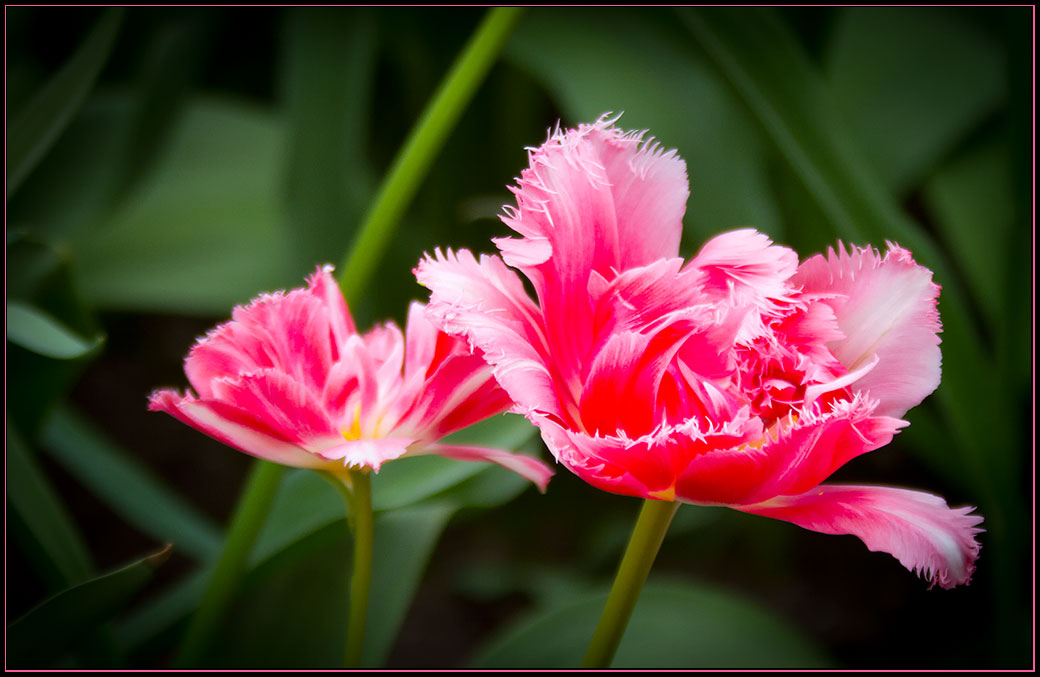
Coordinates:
[290,380]
[739,378]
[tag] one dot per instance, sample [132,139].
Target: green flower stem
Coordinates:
[253,504]
[646,540]
[426,139]
[356,488]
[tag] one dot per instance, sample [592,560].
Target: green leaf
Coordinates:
[161,613]
[37,504]
[57,626]
[972,202]
[36,127]
[124,485]
[674,625]
[605,65]
[291,611]
[203,232]
[912,82]
[37,331]
[329,64]
[303,504]
[404,542]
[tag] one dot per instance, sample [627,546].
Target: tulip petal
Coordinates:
[233,427]
[917,528]
[525,466]
[597,198]
[368,453]
[278,401]
[457,394]
[323,286]
[594,200]
[884,307]
[485,301]
[745,274]
[793,458]
[288,331]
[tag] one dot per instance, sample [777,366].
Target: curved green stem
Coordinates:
[356,488]
[646,540]
[253,504]
[425,140]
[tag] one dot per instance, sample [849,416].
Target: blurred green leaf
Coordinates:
[37,331]
[972,202]
[291,611]
[174,52]
[609,65]
[674,625]
[36,127]
[203,231]
[37,504]
[329,64]
[88,163]
[125,486]
[56,627]
[912,82]
[303,504]
[169,607]
[404,542]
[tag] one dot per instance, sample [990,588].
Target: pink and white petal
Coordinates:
[385,345]
[594,200]
[460,392]
[368,453]
[641,296]
[598,184]
[650,190]
[744,271]
[485,302]
[284,331]
[324,286]
[526,466]
[234,427]
[917,528]
[423,342]
[884,307]
[283,404]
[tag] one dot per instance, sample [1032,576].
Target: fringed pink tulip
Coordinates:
[289,379]
[739,378]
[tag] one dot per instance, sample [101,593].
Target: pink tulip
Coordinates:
[290,380]
[738,378]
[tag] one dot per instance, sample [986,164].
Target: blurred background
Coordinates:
[166,164]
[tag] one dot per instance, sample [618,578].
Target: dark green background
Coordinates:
[196,157]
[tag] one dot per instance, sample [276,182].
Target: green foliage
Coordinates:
[63,622]
[674,625]
[35,128]
[166,164]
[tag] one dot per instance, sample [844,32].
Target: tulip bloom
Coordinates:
[290,380]
[739,378]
